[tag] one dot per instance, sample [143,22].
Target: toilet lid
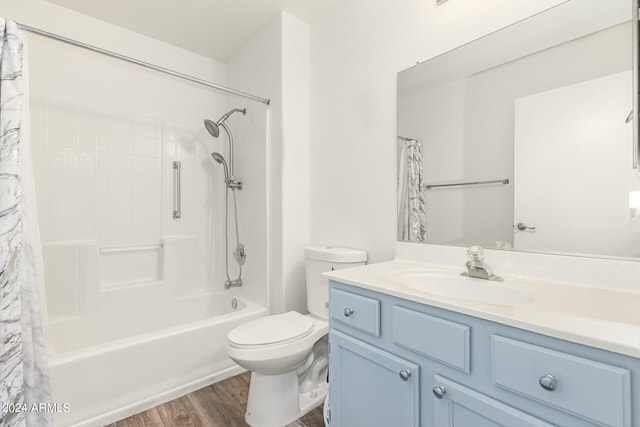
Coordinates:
[271,330]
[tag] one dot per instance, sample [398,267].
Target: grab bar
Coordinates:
[116,249]
[495,181]
[177,202]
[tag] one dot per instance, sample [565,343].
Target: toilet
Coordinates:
[288,353]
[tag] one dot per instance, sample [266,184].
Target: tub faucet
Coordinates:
[476,266]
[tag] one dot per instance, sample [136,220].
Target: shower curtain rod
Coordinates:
[141,63]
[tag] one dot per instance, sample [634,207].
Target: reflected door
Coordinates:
[572,169]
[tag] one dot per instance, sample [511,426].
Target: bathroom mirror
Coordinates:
[523,139]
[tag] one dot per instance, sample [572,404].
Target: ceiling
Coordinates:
[213,28]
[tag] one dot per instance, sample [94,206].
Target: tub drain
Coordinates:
[234,303]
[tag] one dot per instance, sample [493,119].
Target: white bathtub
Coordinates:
[107,366]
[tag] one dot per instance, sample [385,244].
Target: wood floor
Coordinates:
[219,405]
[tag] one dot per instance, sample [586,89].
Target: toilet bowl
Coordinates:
[275,344]
[279,352]
[288,353]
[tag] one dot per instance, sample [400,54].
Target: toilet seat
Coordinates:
[276,329]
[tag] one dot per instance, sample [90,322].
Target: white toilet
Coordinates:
[287,353]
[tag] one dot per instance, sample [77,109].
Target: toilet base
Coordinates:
[274,400]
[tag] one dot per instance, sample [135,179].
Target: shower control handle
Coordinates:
[348,312]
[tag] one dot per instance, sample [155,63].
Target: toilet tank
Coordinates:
[320,259]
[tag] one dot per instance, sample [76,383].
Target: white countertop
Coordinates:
[604,318]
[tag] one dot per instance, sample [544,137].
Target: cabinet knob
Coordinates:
[348,312]
[548,382]
[405,375]
[439,391]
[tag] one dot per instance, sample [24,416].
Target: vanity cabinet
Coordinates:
[459,406]
[361,368]
[396,362]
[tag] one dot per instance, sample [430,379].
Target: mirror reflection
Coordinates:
[520,140]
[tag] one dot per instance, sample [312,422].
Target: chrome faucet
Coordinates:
[476,266]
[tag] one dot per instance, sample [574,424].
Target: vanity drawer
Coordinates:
[591,390]
[359,312]
[441,340]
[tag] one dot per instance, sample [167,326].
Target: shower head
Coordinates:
[218,158]
[214,127]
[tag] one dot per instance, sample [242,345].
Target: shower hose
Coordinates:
[239,254]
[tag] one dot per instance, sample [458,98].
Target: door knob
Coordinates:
[522,226]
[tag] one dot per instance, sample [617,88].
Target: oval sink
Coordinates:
[461,287]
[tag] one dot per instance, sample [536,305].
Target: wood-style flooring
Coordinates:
[218,405]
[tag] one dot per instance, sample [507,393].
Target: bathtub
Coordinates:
[105,366]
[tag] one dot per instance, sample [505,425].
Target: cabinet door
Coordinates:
[370,387]
[457,406]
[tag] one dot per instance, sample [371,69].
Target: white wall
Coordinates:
[262,52]
[275,64]
[356,52]
[295,158]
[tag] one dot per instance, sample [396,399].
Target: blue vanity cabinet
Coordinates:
[459,406]
[396,362]
[363,369]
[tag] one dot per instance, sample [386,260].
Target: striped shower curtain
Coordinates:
[24,381]
[412,217]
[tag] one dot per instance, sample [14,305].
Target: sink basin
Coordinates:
[452,285]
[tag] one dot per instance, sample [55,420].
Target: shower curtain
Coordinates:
[24,381]
[412,217]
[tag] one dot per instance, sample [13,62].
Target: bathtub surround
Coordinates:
[23,362]
[113,247]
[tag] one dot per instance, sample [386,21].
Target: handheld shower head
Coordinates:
[214,127]
[218,158]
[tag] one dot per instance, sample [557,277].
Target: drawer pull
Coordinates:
[348,312]
[405,375]
[439,391]
[548,382]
